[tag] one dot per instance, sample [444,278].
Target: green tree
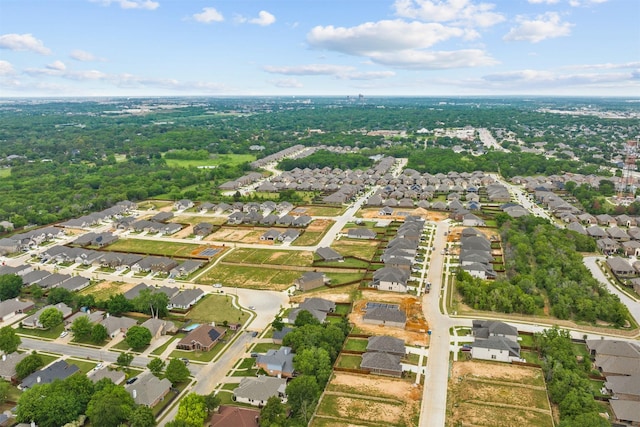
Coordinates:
[5,387]
[118,304]
[50,317]
[124,359]
[278,324]
[29,365]
[211,401]
[138,337]
[81,328]
[99,333]
[302,395]
[180,423]
[36,291]
[151,302]
[177,371]
[142,416]
[9,340]
[10,285]
[274,413]
[305,317]
[156,366]
[110,407]
[192,410]
[57,295]
[314,362]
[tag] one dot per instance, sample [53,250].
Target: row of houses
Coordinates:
[399,257]
[619,362]
[178,299]
[115,212]
[476,254]
[267,207]
[45,279]
[29,240]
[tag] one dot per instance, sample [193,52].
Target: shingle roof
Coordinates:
[260,388]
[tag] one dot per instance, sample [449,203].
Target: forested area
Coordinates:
[543,263]
[593,199]
[567,380]
[324,158]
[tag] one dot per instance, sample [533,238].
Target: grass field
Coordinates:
[264,347]
[103,290]
[270,256]
[217,308]
[52,333]
[85,366]
[323,210]
[349,361]
[250,277]
[308,238]
[342,278]
[156,247]
[356,344]
[5,172]
[218,159]
[193,220]
[357,248]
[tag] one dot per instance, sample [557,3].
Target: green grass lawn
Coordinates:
[341,278]
[216,160]
[48,358]
[85,366]
[596,386]
[5,172]
[250,277]
[364,250]
[347,263]
[308,238]
[356,344]
[323,210]
[530,357]
[270,256]
[349,361]
[52,333]
[245,373]
[156,247]
[246,363]
[217,308]
[527,340]
[200,356]
[264,347]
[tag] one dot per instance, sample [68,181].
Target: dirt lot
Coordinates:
[424,213]
[371,399]
[240,235]
[415,317]
[488,394]
[104,290]
[319,225]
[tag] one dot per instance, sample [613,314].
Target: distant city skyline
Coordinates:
[319,48]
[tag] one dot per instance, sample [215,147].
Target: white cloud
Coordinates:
[607,66]
[264,19]
[526,78]
[543,1]
[6,68]
[434,60]
[84,56]
[286,83]
[57,66]
[457,12]
[208,15]
[342,72]
[131,4]
[381,36]
[546,26]
[23,42]
[578,3]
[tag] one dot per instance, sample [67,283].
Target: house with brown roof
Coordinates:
[234,416]
[202,338]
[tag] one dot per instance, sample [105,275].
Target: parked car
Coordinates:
[64,334]
[217,285]
[132,380]
[184,360]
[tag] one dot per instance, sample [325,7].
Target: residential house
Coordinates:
[624,387]
[33,321]
[328,254]
[270,235]
[186,299]
[289,235]
[12,307]
[631,248]
[361,233]
[93,316]
[620,266]
[148,390]
[613,357]
[386,211]
[278,336]
[183,204]
[495,341]
[75,283]
[34,277]
[318,307]
[386,344]
[310,280]
[277,363]
[390,279]
[186,268]
[302,221]
[387,316]
[202,338]
[56,371]
[117,325]
[8,364]
[382,364]
[625,412]
[471,220]
[162,217]
[202,229]
[116,377]
[53,280]
[158,327]
[256,391]
[155,264]
[484,329]
[234,416]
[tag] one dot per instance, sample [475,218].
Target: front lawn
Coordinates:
[52,333]
[264,347]
[158,351]
[85,366]
[217,308]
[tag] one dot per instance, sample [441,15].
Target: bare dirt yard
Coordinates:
[351,399]
[105,289]
[417,325]
[240,235]
[424,213]
[492,393]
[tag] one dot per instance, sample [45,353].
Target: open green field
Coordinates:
[5,172]
[84,365]
[217,159]
[103,290]
[156,247]
[270,256]
[193,220]
[250,277]
[217,308]
[364,249]
[263,347]
[308,238]
[154,204]
[323,210]
[342,278]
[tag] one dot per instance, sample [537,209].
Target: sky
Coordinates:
[53,48]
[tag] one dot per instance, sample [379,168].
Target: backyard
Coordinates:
[157,247]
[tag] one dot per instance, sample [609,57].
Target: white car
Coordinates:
[217,285]
[64,334]
[98,366]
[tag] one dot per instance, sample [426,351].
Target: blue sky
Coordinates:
[319,47]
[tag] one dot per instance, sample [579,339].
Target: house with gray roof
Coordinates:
[328,254]
[117,325]
[386,344]
[33,321]
[158,327]
[496,348]
[186,268]
[615,357]
[318,307]
[387,316]
[361,233]
[310,280]
[289,235]
[202,229]
[483,329]
[53,280]
[390,279]
[148,390]
[56,371]
[256,391]
[277,363]
[625,387]
[270,235]
[12,307]
[94,317]
[34,276]
[620,266]
[625,412]
[117,377]
[382,364]
[8,364]
[186,299]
